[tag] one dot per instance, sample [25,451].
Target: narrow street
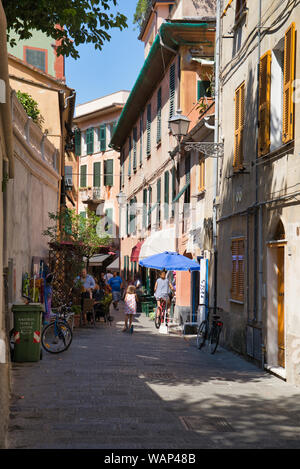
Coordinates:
[148,390]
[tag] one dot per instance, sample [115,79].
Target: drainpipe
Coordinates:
[258,216]
[216,140]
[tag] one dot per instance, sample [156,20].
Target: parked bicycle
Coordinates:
[208,333]
[57,336]
[161,314]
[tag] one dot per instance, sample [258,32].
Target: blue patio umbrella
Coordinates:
[169,261]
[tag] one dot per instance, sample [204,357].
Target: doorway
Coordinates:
[276,304]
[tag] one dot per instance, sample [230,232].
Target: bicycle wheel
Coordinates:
[214,339]
[56,337]
[157,318]
[202,334]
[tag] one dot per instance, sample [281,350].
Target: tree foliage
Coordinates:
[140,12]
[81,21]
[82,232]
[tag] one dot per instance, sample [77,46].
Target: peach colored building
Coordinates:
[157,181]
[99,165]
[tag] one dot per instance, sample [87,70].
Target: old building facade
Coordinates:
[258,211]
[164,184]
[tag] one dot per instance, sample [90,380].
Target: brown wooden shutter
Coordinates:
[264,104]
[239,127]
[237,273]
[288,79]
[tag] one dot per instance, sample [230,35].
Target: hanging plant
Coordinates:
[31,107]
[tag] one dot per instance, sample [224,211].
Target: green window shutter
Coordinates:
[158,199]
[141,138]
[203,89]
[166,195]
[172,91]
[158,136]
[149,205]
[132,216]
[90,141]
[83,176]
[187,194]
[129,155]
[149,129]
[109,221]
[173,175]
[102,137]
[134,148]
[77,137]
[127,219]
[109,173]
[96,175]
[144,208]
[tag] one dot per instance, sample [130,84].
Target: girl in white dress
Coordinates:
[130,307]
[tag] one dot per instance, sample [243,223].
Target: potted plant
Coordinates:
[76,309]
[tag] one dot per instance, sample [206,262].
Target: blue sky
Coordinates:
[98,73]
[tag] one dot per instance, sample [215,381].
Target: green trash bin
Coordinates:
[27,332]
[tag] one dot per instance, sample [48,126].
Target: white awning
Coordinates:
[96,260]
[157,242]
[115,265]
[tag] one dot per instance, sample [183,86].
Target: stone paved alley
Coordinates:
[148,390]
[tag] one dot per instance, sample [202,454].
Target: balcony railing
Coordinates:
[93,194]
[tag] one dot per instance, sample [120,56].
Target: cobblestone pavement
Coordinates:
[148,391]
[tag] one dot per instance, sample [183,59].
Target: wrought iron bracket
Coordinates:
[210,149]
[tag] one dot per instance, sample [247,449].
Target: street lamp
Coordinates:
[179,125]
[121,198]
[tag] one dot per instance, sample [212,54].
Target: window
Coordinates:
[237,273]
[201,186]
[158,201]
[203,89]
[134,137]
[158,115]
[145,208]
[77,137]
[83,176]
[122,168]
[109,173]
[149,206]
[102,137]
[172,91]
[97,174]
[149,129]
[288,78]
[239,127]
[187,193]
[132,216]
[129,156]
[108,228]
[173,175]
[90,141]
[166,198]
[141,138]
[36,57]
[68,175]
[239,9]
[264,104]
